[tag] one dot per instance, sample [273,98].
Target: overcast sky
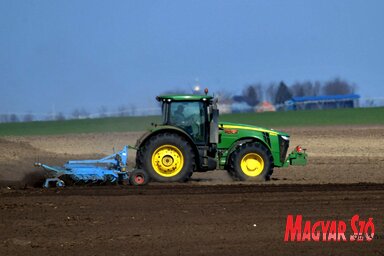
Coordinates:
[77,53]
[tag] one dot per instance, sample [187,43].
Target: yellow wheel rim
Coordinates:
[252,164]
[167,160]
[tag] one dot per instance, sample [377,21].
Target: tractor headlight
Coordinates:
[284,137]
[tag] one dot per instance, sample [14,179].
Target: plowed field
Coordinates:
[210,215]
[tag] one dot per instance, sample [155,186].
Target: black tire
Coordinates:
[180,145]
[249,150]
[138,178]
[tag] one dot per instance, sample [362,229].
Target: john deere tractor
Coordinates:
[191,139]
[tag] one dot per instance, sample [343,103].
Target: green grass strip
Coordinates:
[359,116]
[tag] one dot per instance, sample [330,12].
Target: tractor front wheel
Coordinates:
[251,161]
[167,157]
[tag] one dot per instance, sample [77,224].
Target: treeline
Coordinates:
[252,95]
[278,93]
[78,113]
[14,118]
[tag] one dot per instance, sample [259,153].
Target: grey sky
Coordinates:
[78,53]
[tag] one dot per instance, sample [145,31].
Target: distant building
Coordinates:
[323,102]
[265,106]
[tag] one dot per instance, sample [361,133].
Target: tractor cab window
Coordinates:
[190,117]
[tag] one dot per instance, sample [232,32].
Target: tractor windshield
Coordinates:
[189,116]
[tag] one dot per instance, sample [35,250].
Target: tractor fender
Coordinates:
[242,141]
[171,129]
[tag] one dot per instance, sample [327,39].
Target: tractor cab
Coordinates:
[197,115]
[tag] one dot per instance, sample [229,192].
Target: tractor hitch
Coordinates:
[298,156]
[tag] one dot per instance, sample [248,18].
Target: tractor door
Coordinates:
[191,117]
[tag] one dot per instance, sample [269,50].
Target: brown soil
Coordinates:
[183,219]
[336,154]
[210,215]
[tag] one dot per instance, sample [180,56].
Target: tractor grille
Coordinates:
[284,144]
[266,138]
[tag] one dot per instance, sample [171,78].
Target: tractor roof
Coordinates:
[184,97]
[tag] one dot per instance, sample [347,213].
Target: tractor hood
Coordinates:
[228,125]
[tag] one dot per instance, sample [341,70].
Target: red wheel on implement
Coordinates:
[138,178]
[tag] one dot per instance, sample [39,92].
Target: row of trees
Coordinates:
[278,93]
[79,113]
[14,118]
[253,94]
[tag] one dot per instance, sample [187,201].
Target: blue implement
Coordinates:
[112,168]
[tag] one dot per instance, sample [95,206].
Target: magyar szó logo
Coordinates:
[328,230]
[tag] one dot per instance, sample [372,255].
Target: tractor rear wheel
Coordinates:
[251,161]
[166,157]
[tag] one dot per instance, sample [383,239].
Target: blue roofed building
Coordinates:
[323,102]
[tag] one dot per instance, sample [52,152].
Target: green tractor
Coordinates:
[191,139]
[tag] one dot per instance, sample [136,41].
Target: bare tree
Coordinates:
[103,110]
[122,111]
[300,89]
[306,88]
[4,118]
[316,89]
[283,93]
[28,117]
[60,116]
[84,113]
[252,95]
[80,113]
[14,118]
[133,109]
[76,114]
[224,97]
[338,86]
[270,92]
